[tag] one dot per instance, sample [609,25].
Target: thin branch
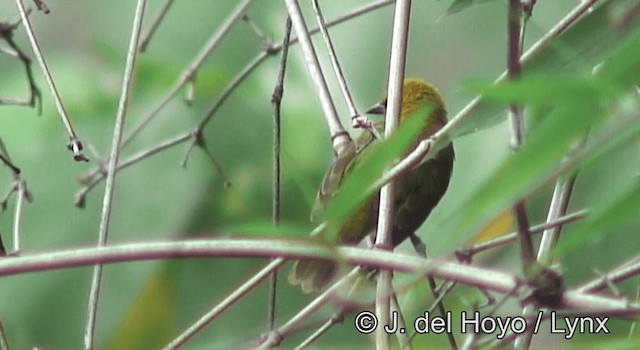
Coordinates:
[146,37]
[42,6]
[185,78]
[81,195]
[275,337]
[458,120]
[514,28]
[75,145]
[336,318]
[15,171]
[467,253]
[94,176]
[35,98]
[558,207]
[236,295]
[618,274]
[514,68]
[479,277]
[23,193]
[421,249]
[339,136]
[384,230]
[107,203]
[4,344]
[18,186]
[357,120]
[403,339]
[276,100]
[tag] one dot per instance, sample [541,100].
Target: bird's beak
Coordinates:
[379,108]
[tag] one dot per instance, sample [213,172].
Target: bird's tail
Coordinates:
[312,275]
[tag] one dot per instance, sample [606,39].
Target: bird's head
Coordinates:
[416,94]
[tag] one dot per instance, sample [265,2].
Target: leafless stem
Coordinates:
[146,37]
[384,230]
[81,195]
[23,193]
[276,100]
[468,253]
[557,207]
[4,344]
[18,186]
[224,305]
[186,77]
[333,320]
[458,120]
[339,136]
[275,337]
[42,6]
[35,98]
[337,69]
[7,162]
[527,255]
[618,274]
[74,143]
[105,218]
[95,175]
[479,277]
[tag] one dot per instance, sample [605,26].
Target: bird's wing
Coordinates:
[331,181]
[341,166]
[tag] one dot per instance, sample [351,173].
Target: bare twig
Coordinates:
[618,274]
[467,253]
[94,176]
[105,218]
[479,277]
[527,255]
[246,287]
[42,6]
[357,120]
[333,320]
[146,37]
[186,77]
[81,195]
[458,120]
[75,145]
[276,99]
[35,98]
[18,186]
[339,136]
[4,344]
[384,230]
[276,336]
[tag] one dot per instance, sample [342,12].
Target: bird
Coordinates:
[417,191]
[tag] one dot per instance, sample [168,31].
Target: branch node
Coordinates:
[75,146]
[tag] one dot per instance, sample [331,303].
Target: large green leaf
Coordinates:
[604,220]
[577,50]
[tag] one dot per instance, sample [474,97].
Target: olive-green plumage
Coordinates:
[417,191]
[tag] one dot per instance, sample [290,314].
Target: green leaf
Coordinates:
[603,220]
[584,45]
[544,90]
[623,66]
[579,105]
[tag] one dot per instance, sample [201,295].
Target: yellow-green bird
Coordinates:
[417,191]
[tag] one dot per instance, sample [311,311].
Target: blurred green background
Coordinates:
[144,304]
